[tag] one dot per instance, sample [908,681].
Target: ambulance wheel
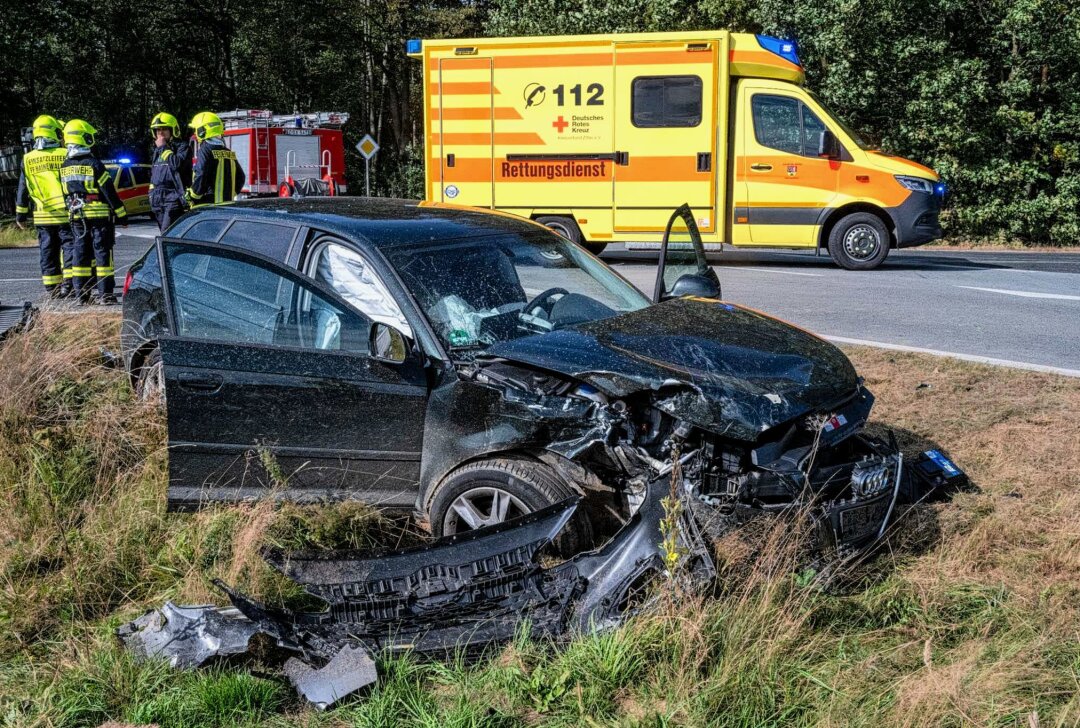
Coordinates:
[859,241]
[564,226]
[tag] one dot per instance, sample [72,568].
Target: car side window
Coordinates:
[262,237]
[351,277]
[233,298]
[140,175]
[206,230]
[787,124]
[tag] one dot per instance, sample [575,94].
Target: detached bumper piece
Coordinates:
[14,319]
[458,595]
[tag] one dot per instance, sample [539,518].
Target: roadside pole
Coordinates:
[367,148]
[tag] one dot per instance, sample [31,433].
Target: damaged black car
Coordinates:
[473,367]
[509,390]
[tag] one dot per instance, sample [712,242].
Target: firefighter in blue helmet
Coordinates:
[39,186]
[93,206]
[170,172]
[218,177]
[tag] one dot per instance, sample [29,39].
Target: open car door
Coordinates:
[683,269]
[272,388]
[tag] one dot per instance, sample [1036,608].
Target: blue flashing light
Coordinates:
[124,160]
[940,189]
[786,49]
[414,45]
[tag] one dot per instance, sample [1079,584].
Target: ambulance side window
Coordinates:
[787,124]
[141,175]
[666,101]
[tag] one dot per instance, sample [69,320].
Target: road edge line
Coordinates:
[954,355]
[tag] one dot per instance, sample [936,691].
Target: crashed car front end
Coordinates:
[780,431]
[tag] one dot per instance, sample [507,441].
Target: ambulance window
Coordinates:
[666,101]
[141,175]
[776,122]
[784,123]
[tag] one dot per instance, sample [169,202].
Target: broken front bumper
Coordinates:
[457,595]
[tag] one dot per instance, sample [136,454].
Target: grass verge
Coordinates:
[12,237]
[971,619]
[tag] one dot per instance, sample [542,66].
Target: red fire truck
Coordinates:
[283,154]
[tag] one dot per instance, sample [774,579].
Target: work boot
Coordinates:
[108,300]
[66,291]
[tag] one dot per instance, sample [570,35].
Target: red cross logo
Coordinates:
[560,123]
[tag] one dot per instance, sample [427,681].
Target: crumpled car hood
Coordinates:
[722,367]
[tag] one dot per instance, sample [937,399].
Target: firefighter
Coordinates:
[170,173]
[93,205]
[218,176]
[39,182]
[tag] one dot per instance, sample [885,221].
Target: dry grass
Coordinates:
[970,619]
[12,237]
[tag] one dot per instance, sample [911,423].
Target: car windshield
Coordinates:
[479,291]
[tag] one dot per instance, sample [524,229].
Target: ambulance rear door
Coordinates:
[665,133]
[461,130]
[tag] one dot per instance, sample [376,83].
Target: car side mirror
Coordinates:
[388,344]
[694,284]
[828,145]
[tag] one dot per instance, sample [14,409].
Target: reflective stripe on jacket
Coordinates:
[218,176]
[86,178]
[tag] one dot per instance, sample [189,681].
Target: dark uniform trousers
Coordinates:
[94,242]
[55,247]
[166,216]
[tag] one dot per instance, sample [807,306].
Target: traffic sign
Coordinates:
[367,146]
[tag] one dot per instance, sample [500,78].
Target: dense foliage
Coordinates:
[985,91]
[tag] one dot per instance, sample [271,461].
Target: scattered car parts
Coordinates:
[457,595]
[14,319]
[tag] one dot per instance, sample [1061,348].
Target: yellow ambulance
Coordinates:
[600,137]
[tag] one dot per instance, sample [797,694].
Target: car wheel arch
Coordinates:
[540,457]
[843,211]
[138,358]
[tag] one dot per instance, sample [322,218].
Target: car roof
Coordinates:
[382,222]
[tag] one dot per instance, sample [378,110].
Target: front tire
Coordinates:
[859,241]
[492,491]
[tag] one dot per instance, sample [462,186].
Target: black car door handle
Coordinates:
[761,167]
[197,382]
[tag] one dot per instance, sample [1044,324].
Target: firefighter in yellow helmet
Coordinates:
[93,206]
[218,177]
[170,171]
[39,186]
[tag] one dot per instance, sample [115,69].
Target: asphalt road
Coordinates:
[1015,308]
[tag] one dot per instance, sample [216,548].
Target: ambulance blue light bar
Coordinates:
[786,49]
[124,160]
[414,45]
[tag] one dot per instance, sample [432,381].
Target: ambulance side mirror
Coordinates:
[828,145]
